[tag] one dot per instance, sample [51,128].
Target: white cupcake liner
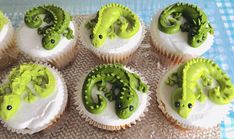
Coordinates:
[170,118]
[55,118]
[8,50]
[81,109]
[105,56]
[167,58]
[59,60]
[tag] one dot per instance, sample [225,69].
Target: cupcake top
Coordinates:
[113,21]
[29,97]
[48,31]
[123,98]
[196,92]
[53,25]
[183,28]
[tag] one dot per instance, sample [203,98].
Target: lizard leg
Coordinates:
[172,79]
[111,33]
[68,33]
[200,95]
[123,24]
[206,81]
[177,15]
[29,96]
[101,85]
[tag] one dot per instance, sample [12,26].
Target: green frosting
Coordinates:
[25,83]
[196,24]
[189,89]
[57,24]
[113,20]
[3,20]
[126,100]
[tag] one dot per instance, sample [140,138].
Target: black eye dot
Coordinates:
[100,36]
[52,41]
[9,107]
[190,105]
[177,104]
[91,36]
[131,108]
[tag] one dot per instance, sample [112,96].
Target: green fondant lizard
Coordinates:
[197,24]
[126,101]
[25,83]
[57,24]
[113,20]
[187,79]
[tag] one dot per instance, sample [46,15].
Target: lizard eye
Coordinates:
[190,105]
[9,107]
[131,108]
[100,36]
[177,104]
[52,41]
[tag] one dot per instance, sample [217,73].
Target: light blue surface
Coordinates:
[220,13]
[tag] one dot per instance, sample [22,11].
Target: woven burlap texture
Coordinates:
[152,125]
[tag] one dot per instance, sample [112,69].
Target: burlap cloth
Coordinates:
[153,125]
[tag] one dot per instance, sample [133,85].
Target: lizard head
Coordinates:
[126,105]
[49,41]
[98,38]
[182,106]
[9,105]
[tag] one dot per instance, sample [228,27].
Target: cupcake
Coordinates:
[113,34]
[33,96]
[112,97]
[8,51]
[180,32]
[196,94]
[48,34]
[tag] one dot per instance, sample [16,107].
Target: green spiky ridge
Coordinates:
[126,100]
[27,83]
[3,20]
[197,24]
[113,20]
[57,24]
[189,89]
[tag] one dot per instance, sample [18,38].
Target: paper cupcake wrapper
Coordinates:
[62,59]
[109,57]
[171,119]
[168,58]
[81,109]
[54,119]
[8,49]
